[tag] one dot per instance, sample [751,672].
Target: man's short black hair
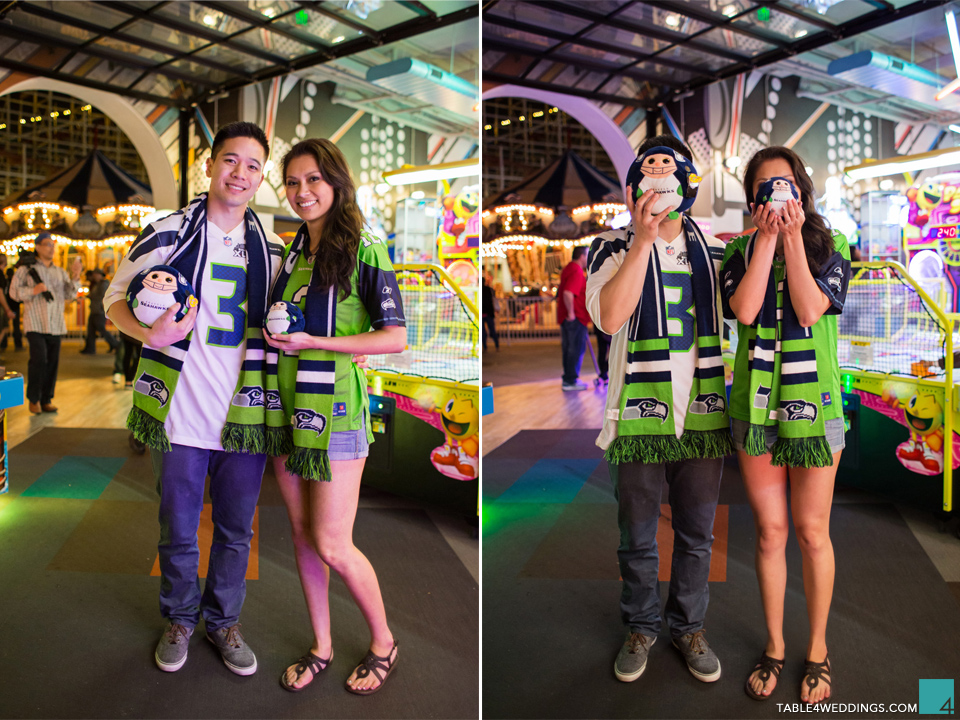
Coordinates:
[666,141]
[240,129]
[579,250]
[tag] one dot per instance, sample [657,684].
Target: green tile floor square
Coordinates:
[76,478]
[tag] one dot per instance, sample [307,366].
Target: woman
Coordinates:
[785,284]
[342,279]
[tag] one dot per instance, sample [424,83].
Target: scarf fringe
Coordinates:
[148,430]
[279,441]
[655,449]
[243,438]
[755,443]
[802,452]
[310,464]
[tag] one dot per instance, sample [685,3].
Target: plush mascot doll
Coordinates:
[153,291]
[668,174]
[777,192]
[284,318]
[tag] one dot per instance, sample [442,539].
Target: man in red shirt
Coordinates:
[573,319]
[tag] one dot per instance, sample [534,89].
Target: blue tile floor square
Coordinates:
[555,480]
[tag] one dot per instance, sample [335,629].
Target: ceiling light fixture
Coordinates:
[410,174]
[672,20]
[905,163]
[954,40]
[949,88]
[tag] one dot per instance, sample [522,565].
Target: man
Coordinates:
[653,287]
[488,309]
[573,319]
[198,398]
[43,289]
[8,314]
[97,322]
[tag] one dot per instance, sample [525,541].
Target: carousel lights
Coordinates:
[141,210]
[522,208]
[600,209]
[28,206]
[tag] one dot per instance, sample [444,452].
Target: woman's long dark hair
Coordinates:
[817,238]
[337,256]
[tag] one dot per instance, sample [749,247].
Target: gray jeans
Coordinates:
[694,488]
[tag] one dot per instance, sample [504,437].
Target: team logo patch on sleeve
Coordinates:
[273,400]
[339,409]
[796,410]
[825,399]
[154,387]
[388,304]
[639,408]
[248,396]
[706,403]
[762,398]
[306,419]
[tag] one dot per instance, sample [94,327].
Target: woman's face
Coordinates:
[775,167]
[310,196]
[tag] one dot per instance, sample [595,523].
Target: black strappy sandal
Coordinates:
[375,664]
[813,675]
[316,666]
[767,666]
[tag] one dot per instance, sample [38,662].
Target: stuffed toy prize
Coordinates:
[152,292]
[776,193]
[667,173]
[284,318]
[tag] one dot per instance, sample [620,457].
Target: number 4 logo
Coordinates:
[936,697]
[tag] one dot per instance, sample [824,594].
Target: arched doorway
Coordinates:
[136,127]
[604,129]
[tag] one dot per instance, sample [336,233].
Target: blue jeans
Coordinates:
[234,490]
[694,489]
[573,343]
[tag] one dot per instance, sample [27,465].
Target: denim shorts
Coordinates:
[349,444]
[833,430]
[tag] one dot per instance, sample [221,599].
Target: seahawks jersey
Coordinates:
[211,367]
[373,303]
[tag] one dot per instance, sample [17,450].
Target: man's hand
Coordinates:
[360,361]
[166,330]
[10,314]
[39,288]
[646,225]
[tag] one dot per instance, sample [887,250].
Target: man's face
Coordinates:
[46,249]
[237,171]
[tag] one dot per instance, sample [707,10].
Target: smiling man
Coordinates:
[191,402]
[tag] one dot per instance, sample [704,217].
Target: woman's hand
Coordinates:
[291,342]
[767,221]
[302,341]
[792,221]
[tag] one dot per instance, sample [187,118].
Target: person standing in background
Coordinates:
[573,319]
[488,309]
[7,312]
[43,288]
[97,322]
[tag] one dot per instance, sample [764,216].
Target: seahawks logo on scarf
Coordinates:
[648,407]
[796,410]
[707,403]
[249,396]
[152,387]
[307,419]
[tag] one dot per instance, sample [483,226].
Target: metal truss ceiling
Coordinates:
[644,54]
[183,53]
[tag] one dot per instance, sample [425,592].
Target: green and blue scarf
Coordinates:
[783,381]
[304,434]
[159,369]
[646,430]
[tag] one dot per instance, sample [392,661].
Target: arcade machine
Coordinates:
[896,345]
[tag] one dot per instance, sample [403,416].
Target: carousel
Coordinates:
[531,228]
[94,209]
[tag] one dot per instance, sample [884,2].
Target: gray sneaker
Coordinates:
[632,658]
[171,651]
[701,660]
[234,650]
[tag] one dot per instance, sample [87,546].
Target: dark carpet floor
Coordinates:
[551,622]
[79,613]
